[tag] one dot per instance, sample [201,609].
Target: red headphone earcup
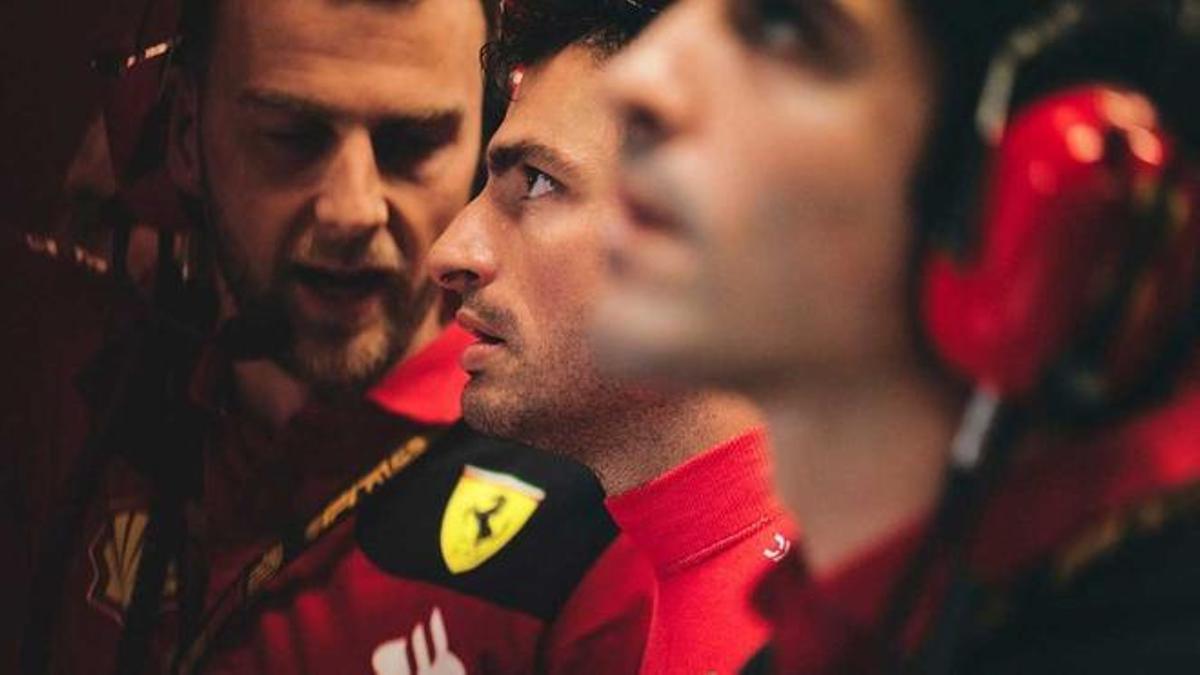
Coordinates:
[1070,186]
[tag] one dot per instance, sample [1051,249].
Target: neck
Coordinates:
[855,463]
[639,444]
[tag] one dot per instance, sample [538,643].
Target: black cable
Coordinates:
[981,452]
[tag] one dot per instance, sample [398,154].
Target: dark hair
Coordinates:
[197,24]
[532,31]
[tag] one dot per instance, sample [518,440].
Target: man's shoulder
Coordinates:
[493,519]
[58,312]
[1132,607]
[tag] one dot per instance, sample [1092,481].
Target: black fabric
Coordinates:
[400,529]
[1136,610]
[1133,610]
[762,663]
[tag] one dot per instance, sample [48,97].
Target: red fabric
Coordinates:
[54,313]
[824,625]
[427,387]
[603,626]
[707,527]
[333,610]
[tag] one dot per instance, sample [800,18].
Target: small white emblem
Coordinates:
[782,546]
[391,657]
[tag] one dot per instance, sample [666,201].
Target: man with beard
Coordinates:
[686,471]
[784,161]
[323,146]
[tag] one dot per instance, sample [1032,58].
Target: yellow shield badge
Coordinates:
[484,513]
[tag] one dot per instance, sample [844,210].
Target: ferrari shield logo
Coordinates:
[484,513]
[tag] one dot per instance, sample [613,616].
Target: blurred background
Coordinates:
[48,94]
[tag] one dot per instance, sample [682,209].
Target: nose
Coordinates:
[644,82]
[463,258]
[351,203]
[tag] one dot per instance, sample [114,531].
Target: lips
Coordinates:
[343,280]
[490,343]
[340,296]
[476,326]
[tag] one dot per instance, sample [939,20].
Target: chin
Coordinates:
[348,365]
[489,411]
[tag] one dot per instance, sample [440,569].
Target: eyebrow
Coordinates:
[502,157]
[275,101]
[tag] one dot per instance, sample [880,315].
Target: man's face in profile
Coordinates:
[526,257]
[331,142]
[766,189]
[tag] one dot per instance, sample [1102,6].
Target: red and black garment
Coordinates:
[376,593]
[1087,559]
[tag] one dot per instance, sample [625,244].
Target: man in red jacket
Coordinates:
[253,512]
[686,471]
[786,160]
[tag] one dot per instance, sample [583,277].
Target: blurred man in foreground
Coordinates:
[784,161]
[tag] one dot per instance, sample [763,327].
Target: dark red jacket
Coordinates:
[484,554]
[1087,560]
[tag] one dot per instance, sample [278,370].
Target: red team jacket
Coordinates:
[712,528]
[480,557]
[408,585]
[1088,556]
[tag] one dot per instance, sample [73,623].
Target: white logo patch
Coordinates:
[392,657]
[780,551]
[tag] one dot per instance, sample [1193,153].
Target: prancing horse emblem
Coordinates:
[484,513]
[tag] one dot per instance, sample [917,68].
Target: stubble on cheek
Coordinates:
[335,358]
[546,394]
[330,356]
[350,362]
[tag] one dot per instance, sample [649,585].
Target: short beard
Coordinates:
[558,402]
[336,363]
[332,361]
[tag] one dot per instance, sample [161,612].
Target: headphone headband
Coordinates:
[1023,45]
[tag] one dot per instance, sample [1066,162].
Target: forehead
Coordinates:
[560,105]
[359,54]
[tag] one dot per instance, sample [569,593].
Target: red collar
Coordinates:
[702,506]
[427,387]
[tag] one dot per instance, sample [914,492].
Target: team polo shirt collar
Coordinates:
[427,387]
[1039,515]
[702,506]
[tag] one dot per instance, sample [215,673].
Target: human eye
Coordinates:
[402,148]
[793,30]
[297,139]
[538,184]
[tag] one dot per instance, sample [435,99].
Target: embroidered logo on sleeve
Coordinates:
[392,657]
[484,513]
[780,550]
[115,554]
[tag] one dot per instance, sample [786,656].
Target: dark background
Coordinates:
[47,93]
